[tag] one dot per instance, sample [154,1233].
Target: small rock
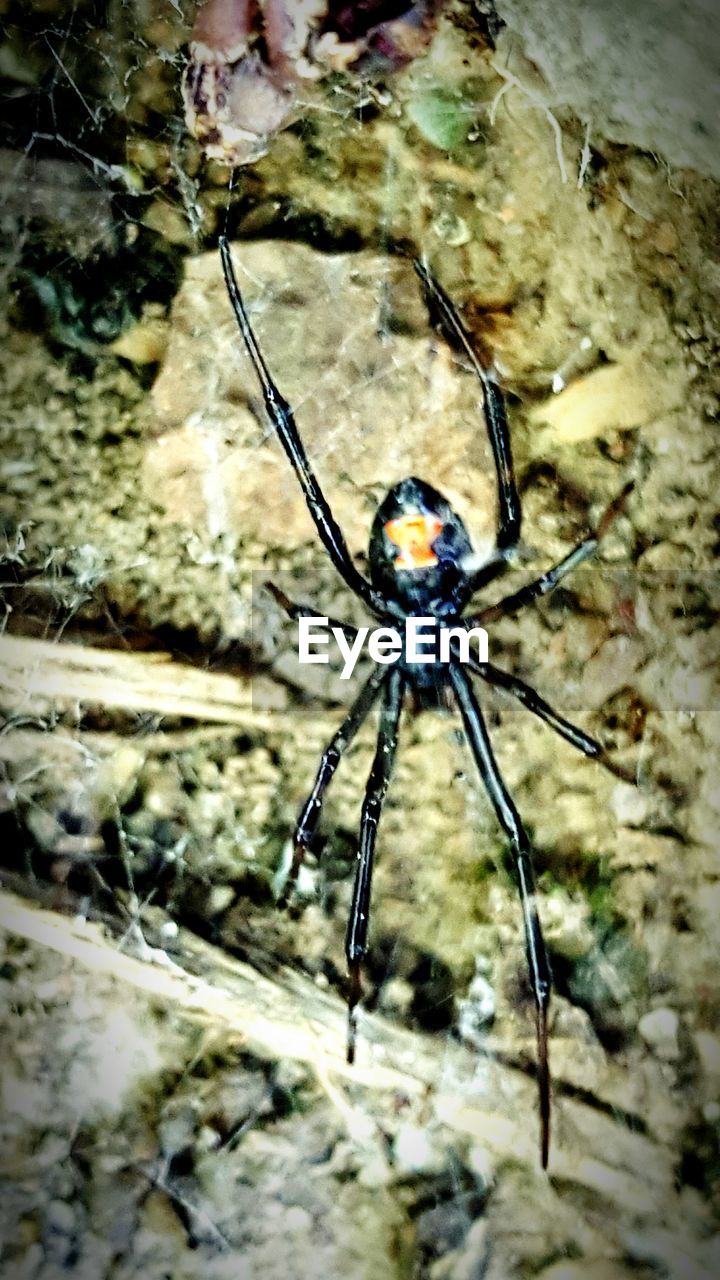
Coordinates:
[220,897]
[164,218]
[477,1011]
[396,996]
[44,827]
[566,925]
[659,1030]
[707,1047]
[157,1220]
[375,1170]
[297,1219]
[290,1076]
[208,1139]
[31,1262]
[629,805]
[163,799]
[451,229]
[414,1152]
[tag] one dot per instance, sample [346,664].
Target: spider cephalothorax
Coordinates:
[421,564]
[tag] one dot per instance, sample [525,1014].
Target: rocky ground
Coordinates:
[175,1095]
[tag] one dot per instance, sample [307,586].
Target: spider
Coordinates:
[434,576]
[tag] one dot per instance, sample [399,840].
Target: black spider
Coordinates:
[430,578]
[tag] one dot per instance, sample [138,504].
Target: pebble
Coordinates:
[629,805]
[414,1152]
[290,1076]
[659,1030]
[375,1170]
[208,1139]
[396,996]
[610,982]
[165,219]
[442,1227]
[452,229]
[221,896]
[163,799]
[477,1011]
[44,827]
[566,923]
[297,1219]
[30,1264]
[707,1047]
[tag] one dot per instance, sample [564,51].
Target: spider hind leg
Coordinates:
[377,785]
[309,816]
[510,821]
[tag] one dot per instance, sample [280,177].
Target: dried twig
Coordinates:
[35,673]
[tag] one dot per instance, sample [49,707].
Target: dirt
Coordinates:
[145,504]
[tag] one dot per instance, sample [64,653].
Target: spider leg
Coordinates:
[531,699]
[509,508]
[295,610]
[548,581]
[377,784]
[510,821]
[310,813]
[281,416]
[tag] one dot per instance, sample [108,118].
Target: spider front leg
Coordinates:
[510,821]
[282,419]
[529,698]
[509,507]
[377,785]
[331,757]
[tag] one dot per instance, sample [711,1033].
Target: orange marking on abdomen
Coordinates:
[414,535]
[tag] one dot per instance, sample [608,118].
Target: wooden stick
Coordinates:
[35,673]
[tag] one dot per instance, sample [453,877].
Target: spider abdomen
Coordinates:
[418,548]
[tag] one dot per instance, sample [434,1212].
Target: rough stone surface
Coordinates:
[646,73]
